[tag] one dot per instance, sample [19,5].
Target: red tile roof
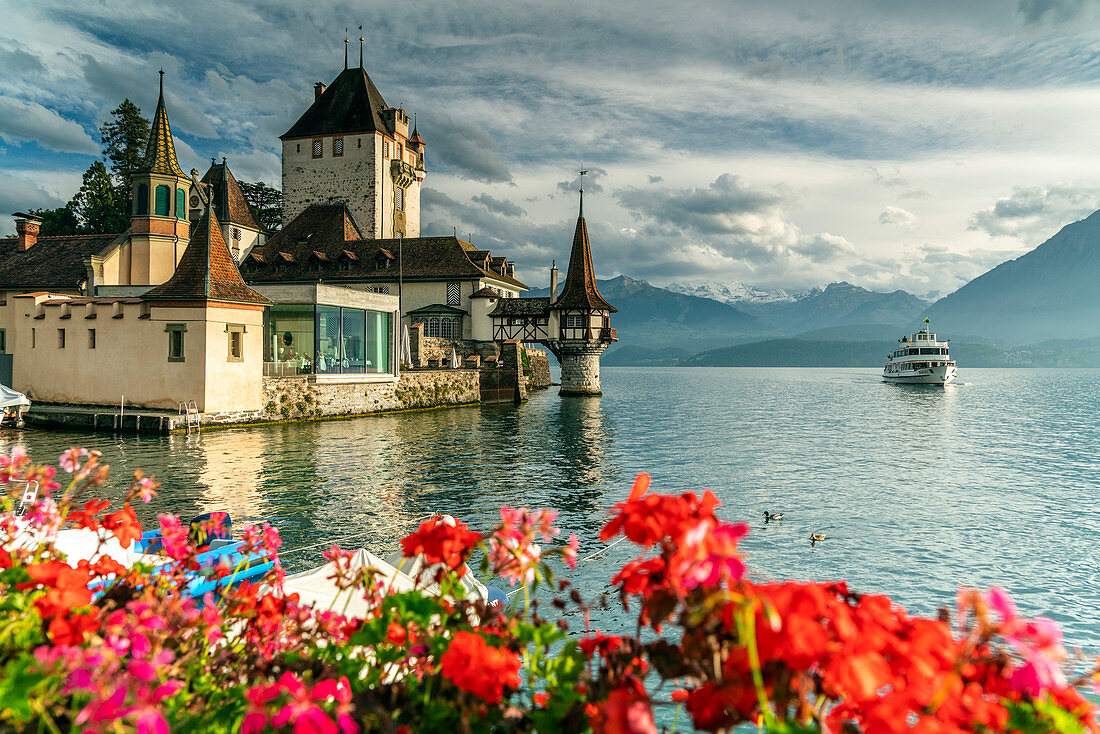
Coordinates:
[206,271]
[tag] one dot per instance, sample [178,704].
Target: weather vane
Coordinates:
[345,48]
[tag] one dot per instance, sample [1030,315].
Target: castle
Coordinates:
[196,304]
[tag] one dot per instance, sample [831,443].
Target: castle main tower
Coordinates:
[580,319]
[351,147]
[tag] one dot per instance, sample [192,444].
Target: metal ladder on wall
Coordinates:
[190,410]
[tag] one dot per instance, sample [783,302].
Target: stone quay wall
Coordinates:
[299,398]
[425,349]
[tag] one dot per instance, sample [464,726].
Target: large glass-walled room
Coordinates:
[327,340]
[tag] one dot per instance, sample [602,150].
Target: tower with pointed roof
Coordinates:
[580,318]
[352,148]
[159,228]
[239,227]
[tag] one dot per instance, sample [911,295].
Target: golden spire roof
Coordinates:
[160,155]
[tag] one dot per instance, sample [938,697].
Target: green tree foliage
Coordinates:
[266,203]
[59,221]
[97,204]
[124,138]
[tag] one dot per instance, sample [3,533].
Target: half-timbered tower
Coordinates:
[575,325]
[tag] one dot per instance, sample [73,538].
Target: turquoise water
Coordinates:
[995,480]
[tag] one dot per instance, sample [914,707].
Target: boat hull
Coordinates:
[940,375]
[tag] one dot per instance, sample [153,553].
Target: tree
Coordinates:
[59,221]
[96,205]
[266,203]
[124,138]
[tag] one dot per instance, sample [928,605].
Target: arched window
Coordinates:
[161,204]
[141,199]
[181,204]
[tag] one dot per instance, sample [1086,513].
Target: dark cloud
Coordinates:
[1034,213]
[656,179]
[1055,11]
[590,181]
[462,147]
[15,59]
[500,206]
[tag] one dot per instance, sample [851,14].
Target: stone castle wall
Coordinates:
[354,178]
[538,369]
[580,369]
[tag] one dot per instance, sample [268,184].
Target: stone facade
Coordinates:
[298,398]
[537,370]
[580,368]
[354,178]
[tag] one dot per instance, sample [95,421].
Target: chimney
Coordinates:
[26,227]
[318,90]
[553,281]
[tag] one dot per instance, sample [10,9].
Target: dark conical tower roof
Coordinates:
[349,105]
[227,198]
[206,271]
[579,290]
[160,154]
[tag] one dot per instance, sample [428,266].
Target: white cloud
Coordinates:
[895,215]
[28,121]
[1036,212]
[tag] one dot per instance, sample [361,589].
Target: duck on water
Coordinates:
[920,359]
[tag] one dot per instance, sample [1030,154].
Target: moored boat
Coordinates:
[921,359]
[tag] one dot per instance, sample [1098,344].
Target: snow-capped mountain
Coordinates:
[734,292]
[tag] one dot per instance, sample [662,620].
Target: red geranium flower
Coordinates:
[440,542]
[627,710]
[479,668]
[124,525]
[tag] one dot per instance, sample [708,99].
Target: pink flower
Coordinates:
[174,537]
[70,459]
[147,488]
[569,555]
[707,554]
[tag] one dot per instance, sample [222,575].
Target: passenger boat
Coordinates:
[920,359]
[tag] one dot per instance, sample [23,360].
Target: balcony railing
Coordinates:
[608,334]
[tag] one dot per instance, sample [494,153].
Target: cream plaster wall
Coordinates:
[131,355]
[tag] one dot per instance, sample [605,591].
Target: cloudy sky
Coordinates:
[888,143]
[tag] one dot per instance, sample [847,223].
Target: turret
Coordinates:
[158,214]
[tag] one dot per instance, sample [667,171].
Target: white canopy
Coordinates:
[11,398]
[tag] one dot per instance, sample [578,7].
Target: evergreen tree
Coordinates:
[124,138]
[266,203]
[59,221]
[96,205]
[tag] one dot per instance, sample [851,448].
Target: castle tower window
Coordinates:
[337,146]
[141,199]
[181,204]
[161,205]
[399,198]
[91,338]
[60,338]
[454,294]
[385,149]
[318,148]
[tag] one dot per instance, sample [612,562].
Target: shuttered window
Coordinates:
[161,205]
[181,204]
[399,198]
[454,294]
[337,146]
[318,148]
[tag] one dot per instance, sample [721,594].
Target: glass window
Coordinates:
[141,199]
[445,328]
[379,335]
[161,206]
[353,328]
[91,338]
[289,339]
[181,204]
[60,338]
[328,340]
[433,326]
[3,341]
[175,341]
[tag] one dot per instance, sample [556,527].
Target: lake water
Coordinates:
[992,481]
